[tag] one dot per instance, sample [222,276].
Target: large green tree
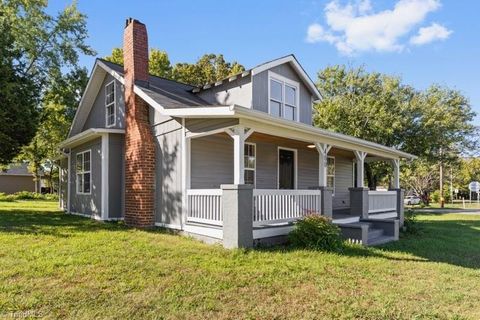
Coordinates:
[434,124]
[209,68]
[37,50]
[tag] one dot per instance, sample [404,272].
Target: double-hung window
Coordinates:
[283,97]
[331,173]
[249,163]
[110,104]
[84,177]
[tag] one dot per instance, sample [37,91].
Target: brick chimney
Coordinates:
[139,143]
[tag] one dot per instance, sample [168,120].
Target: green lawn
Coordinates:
[58,266]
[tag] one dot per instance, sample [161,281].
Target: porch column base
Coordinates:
[400,206]
[359,202]
[237,202]
[326,201]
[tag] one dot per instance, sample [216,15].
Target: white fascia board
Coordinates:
[336,139]
[290,59]
[87,135]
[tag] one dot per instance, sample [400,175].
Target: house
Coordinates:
[18,178]
[234,161]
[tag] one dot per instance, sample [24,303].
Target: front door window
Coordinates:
[286,169]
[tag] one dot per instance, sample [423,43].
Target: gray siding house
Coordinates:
[236,161]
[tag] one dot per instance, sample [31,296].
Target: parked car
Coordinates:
[411,200]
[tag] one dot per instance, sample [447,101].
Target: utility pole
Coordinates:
[442,200]
[451,184]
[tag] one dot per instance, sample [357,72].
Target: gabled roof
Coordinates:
[290,59]
[164,92]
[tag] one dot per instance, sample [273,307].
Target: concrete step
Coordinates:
[380,240]
[374,233]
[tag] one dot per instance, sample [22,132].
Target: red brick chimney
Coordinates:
[139,143]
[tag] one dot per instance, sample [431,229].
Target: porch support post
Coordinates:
[360,156]
[396,174]
[359,202]
[239,134]
[323,150]
[186,169]
[237,203]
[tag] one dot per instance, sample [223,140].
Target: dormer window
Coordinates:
[110,104]
[283,97]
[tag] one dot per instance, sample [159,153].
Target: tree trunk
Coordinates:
[371,178]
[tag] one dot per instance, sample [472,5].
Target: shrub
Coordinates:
[27,195]
[316,232]
[6,198]
[411,224]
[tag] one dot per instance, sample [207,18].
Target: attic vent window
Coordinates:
[110,104]
[283,97]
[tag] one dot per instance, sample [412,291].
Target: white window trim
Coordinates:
[114,104]
[285,81]
[255,167]
[334,173]
[295,170]
[83,172]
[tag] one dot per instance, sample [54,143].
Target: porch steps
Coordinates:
[369,233]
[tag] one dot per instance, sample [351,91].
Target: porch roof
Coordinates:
[266,123]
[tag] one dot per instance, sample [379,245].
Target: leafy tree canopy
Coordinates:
[209,68]
[36,51]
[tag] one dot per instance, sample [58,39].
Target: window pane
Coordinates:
[249,177]
[275,108]
[79,163]
[290,93]
[289,112]
[79,182]
[330,166]
[110,93]
[86,182]
[249,157]
[276,90]
[330,182]
[86,161]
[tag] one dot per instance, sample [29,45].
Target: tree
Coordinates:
[18,111]
[37,49]
[158,62]
[209,68]
[60,102]
[432,124]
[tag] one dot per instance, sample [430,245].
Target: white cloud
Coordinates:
[355,27]
[431,33]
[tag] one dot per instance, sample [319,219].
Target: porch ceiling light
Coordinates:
[311,146]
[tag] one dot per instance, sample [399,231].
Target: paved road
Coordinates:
[451,210]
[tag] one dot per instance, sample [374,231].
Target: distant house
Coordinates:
[235,161]
[17,178]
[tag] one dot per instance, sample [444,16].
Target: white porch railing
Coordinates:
[276,206]
[205,206]
[382,201]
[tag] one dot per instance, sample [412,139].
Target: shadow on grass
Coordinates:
[455,242]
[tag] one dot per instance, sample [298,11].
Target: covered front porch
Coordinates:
[263,178]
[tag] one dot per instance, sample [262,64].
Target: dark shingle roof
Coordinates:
[167,93]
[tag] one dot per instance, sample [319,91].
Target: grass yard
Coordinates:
[58,266]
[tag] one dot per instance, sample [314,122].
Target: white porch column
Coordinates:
[360,156]
[323,150]
[239,134]
[186,169]
[396,174]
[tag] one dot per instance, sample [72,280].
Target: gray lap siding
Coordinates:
[212,165]
[89,204]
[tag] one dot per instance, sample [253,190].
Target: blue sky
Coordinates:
[423,41]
